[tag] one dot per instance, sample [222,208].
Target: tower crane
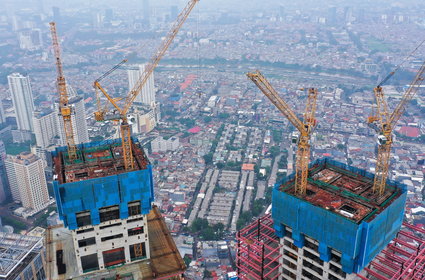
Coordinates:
[64,108]
[120,112]
[384,123]
[305,127]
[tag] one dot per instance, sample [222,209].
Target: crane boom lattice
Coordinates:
[131,96]
[386,124]
[305,128]
[65,109]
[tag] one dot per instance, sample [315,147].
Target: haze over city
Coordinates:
[218,139]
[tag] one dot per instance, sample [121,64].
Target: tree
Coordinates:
[199,224]
[274,151]
[208,158]
[207,274]
[220,165]
[223,116]
[187,260]
[208,234]
[340,146]
[207,119]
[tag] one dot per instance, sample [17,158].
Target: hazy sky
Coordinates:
[236,5]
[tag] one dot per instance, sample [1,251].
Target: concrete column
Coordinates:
[300,263]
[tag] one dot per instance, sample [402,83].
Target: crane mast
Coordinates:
[131,96]
[385,127]
[64,108]
[304,127]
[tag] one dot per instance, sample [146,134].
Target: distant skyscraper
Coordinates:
[173,12]
[331,15]
[146,10]
[109,15]
[2,115]
[147,95]
[4,190]
[281,10]
[40,6]
[56,14]
[360,15]
[46,128]
[20,89]
[27,180]
[348,14]
[30,39]
[79,122]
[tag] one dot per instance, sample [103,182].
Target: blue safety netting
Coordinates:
[358,243]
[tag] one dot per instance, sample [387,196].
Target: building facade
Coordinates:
[30,39]
[4,185]
[333,232]
[104,206]
[46,128]
[79,121]
[20,89]
[159,144]
[27,180]
[147,94]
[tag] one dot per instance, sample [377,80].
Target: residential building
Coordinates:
[27,180]
[147,94]
[160,144]
[2,115]
[4,185]
[20,89]
[46,128]
[30,39]
[79,122]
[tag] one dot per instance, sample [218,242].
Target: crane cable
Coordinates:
[398,66]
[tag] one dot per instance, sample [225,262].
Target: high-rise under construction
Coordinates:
[337,231]
[110,225]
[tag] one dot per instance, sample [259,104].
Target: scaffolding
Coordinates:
[258,251]
[402,259]
[14,248]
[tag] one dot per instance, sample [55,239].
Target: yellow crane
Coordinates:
[64,108]
[385,123]
[305,127]
[120,112]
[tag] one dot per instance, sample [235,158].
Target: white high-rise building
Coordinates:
[46,128]
[2,115]
[3,178]
[147,95]
[20,89]
[159,144]
[30,39]
[27,180]
[79,122]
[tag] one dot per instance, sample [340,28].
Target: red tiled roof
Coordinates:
[195,129]
[409,131]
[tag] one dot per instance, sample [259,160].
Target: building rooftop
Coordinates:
[15,250]
[95,160]
[25,158]
[165,259]
[343,192]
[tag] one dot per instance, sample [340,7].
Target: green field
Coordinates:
[377,45]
